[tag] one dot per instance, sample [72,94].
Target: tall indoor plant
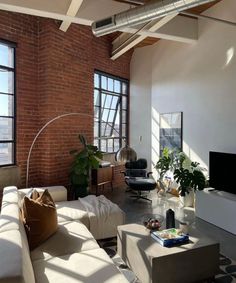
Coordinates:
[84,160]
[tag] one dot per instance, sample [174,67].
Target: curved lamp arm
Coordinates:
[45,126]
[40,131]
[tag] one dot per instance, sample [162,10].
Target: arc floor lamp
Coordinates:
[124,154]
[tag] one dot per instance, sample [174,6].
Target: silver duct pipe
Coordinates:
[139,15]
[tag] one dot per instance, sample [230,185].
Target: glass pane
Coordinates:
[107,100]
[117,121]
[6,81]
[103,145]
[116,131]
[6,105]
[116,145]
[111,116]
[96,111]
[104,98]
[108,130]
[105,113]
[124,116]
[110,85]
[96,97]
[103,129]
[6,129]
[104,82]
[6,153]
[110,145]
[6,56]
[124,130]
[95,142]
[124,88]
[124,102]
[96,80]
[114,102]
[95,129]
[117,86]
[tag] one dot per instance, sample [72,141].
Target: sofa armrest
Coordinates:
[58,193]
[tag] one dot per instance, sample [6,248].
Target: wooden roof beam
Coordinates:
[43,13]
[181,29]
[72,11]
[126,41]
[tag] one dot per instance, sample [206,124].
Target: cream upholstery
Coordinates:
[15,263]
[9,218]
[70,255]
[74,236]
[72,210]
[93,266]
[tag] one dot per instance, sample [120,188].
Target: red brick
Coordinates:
[55,76]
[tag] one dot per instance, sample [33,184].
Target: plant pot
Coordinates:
[188,199]
[80,192]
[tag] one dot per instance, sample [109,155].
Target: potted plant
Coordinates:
[187,174]
[167,163]
[84,160]
[189,180]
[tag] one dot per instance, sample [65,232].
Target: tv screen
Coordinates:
[222,170]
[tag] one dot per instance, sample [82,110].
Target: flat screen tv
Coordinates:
[222,171]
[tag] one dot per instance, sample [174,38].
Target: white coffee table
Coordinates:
[191,262]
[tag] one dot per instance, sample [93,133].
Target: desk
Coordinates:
[191,262]
[102,176]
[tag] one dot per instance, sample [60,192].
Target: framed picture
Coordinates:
[171,131]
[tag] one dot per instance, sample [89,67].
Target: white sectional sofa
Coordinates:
[70,255]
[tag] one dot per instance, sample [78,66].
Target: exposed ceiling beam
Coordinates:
[181,29]
[132,40]
[204,17]
[72,11]
[44,14]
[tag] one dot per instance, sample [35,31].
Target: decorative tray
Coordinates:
[170,237]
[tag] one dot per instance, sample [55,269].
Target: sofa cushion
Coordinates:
[40,217]
[72,210]
[15,263]
[58,193]
[71,237]
[93,266]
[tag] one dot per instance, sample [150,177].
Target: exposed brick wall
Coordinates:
[23,30]
[55,76]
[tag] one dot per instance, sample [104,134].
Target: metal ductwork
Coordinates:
[142,14]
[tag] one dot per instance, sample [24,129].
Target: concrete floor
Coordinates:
[135,209]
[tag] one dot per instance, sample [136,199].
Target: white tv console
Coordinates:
[217,207]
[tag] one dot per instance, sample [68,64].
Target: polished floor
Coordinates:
[136,209]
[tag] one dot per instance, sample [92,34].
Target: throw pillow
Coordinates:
[40,218]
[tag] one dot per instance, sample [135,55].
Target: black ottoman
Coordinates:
[139,185]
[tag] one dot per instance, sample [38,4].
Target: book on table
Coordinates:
[170,237]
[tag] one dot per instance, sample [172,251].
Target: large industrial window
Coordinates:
[110,112]
[7,104]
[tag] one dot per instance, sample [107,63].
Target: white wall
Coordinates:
[198,79]
[140,101]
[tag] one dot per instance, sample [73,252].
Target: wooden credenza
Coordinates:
[102,176]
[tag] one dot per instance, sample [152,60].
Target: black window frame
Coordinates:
[120,101]
[13,94]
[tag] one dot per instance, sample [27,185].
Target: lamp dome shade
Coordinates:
[125,154]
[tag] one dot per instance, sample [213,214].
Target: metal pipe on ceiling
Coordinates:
[142,14]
